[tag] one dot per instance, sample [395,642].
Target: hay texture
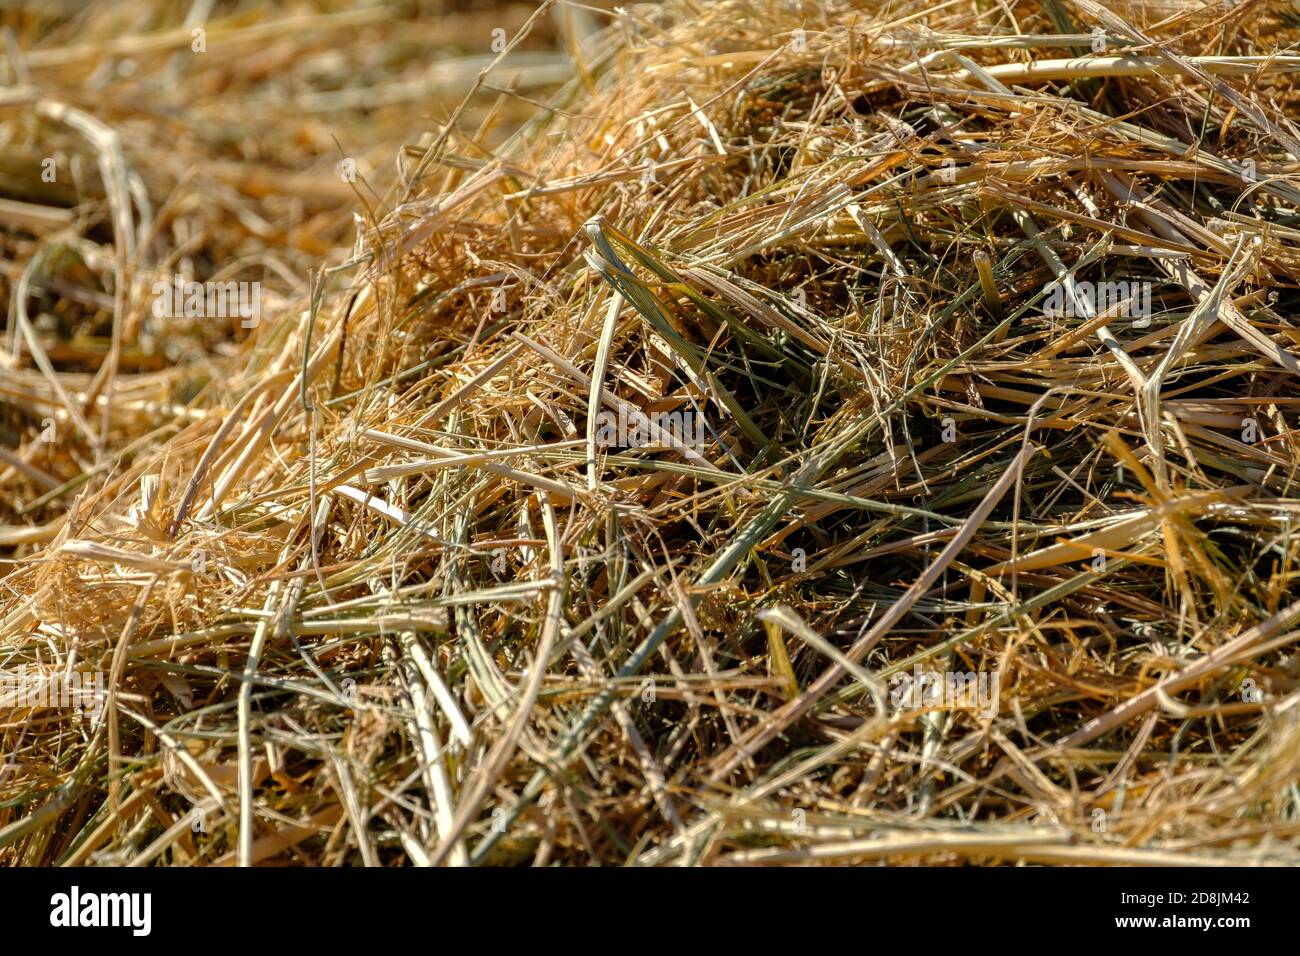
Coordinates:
[730,433]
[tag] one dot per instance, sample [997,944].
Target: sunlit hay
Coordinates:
[984,552]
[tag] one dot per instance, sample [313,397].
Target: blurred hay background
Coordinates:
[365,587]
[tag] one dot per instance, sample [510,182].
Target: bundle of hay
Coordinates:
[822,432]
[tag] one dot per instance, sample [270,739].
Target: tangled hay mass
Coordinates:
[751,432]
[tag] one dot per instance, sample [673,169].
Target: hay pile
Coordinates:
[984,313]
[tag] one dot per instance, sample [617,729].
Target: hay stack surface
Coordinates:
[608,497]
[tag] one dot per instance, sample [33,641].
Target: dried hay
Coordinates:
[982,313]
